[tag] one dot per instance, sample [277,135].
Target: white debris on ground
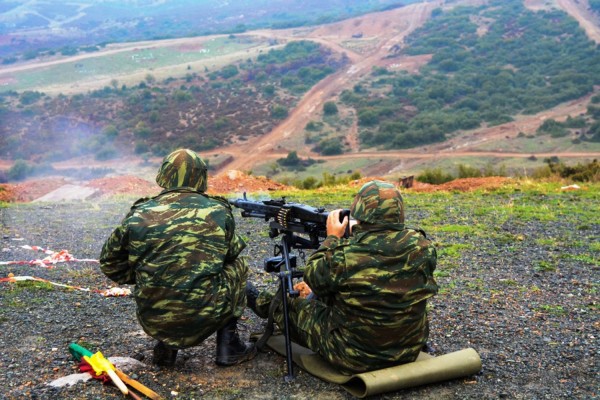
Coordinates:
[122,363]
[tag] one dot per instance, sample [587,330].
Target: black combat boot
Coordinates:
[251,296]
[230,349]
[164,355]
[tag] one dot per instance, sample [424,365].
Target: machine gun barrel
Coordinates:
[287,217]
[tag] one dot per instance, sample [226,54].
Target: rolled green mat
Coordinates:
[425,370]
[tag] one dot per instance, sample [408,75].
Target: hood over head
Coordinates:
[378,202]
[183,168]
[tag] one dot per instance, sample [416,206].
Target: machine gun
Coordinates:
[290,220]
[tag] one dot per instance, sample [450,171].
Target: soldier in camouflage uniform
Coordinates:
[181,251]
[371,289]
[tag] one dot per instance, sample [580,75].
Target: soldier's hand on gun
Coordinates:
[334,226]
[303,288]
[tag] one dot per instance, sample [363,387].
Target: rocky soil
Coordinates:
[524,296]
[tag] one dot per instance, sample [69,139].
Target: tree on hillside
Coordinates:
[330,108]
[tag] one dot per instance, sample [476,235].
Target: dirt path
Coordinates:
[406,19]
[578,9]
[384,30]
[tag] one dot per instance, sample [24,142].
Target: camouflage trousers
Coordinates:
[349,350]
[185,319]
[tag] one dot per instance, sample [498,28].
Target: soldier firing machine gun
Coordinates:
[289,220]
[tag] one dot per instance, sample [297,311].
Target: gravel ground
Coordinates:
[524,295]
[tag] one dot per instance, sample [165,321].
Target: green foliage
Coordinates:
[552,128]
[228,71]
[309,183]
[151,111]
[20,170]
[269,90]
[278,111]
[434,176]
[29,97]
[466,171]
[106,153]
[291,160]
[110,131]
[328,180]
[141,148]
[314,126]
[330,108]
[579,173]
[329,147]
[182,96]
[222,123]
[292,51]
[524,63]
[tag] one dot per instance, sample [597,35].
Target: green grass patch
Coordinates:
[540,212]
[439,273]
[584,258]
[551,309]
[549,242]
[460,229]
[545,266]
[453,250]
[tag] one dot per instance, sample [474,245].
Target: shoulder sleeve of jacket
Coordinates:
[221,200]
[322,267]
[236,242]
[114,258]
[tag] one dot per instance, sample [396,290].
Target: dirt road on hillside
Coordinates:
[390,29]
[399,23]
[377,34]
[578,9]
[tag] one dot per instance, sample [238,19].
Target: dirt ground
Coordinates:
[55,188]
[518,284]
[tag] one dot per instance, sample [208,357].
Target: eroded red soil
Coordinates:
[230,182]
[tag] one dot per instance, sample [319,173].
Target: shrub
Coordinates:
[291,160]
[313,126]
[279,112]
[466,171]
[329,147]
[110,131]
[434,176]
[106,153]
[309,183]
[329,108]
[20,170]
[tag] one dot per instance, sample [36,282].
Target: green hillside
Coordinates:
[489,64]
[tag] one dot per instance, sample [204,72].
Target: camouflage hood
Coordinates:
[183,168]
[378,202]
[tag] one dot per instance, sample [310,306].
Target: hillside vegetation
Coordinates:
[201,111]
[489,64]
[473,68]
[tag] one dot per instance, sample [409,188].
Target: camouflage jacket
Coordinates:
[181,251]
[376,284]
